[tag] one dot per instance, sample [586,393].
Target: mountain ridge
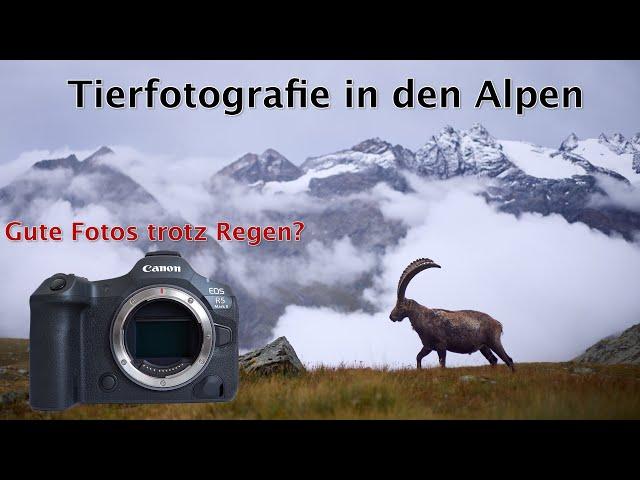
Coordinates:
[476,153]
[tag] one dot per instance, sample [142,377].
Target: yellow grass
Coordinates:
[535,391]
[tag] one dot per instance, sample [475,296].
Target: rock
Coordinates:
[582,370]
[624,348]
[12,397]
[471,378]
[276,357]
[22,371]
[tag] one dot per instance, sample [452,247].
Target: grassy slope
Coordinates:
[536,390]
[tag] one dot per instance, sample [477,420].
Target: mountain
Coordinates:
[623,348]
[609,155]
[269,166]
[357,169]
[91,181]
[454,153]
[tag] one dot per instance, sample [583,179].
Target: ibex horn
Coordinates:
[411,271]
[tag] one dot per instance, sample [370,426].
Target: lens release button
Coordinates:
[57,283]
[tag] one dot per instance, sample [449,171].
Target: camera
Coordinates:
[160,334]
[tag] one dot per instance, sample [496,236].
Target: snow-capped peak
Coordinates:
[372,152]
[466,152]
[478,133]
[608,154]
[372,145]
[616,143]
[448,138]
[569,143]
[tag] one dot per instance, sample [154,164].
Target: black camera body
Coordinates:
[160,334]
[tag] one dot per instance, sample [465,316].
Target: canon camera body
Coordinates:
[160,334]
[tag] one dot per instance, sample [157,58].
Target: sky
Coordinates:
[37,110]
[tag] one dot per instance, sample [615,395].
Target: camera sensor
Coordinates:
[162,337]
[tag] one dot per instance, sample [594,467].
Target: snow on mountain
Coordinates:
[540,161]
[373,152]
[635,141]
[569,143]
[301,183]
[466,152]
[358,168]
[616,143]
[614,154]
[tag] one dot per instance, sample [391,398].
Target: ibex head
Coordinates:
[403,305]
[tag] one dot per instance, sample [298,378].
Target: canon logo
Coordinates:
[161,268]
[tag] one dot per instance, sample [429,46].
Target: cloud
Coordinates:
[12,169]
[178,183]
[338,263]
[618,194]
[556,287]
[182,186]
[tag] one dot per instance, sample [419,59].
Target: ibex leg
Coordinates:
[421,354]
[442,355]
[488,354]
[499,349]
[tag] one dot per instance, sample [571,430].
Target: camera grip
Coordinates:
[54,358]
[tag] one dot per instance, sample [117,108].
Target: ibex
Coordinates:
[462,331]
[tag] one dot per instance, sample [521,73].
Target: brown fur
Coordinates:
[462,331]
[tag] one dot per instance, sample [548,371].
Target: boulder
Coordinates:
[276,357]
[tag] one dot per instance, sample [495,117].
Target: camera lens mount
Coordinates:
[186,371]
